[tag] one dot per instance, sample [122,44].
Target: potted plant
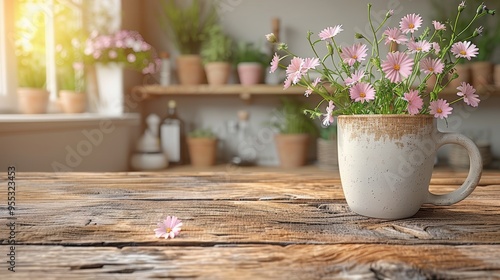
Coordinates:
[216,53]
[294,132]
[111,54]
[71,72]
[33,98]
[327,148]
[188,27]
[202,147]
[387,128]
[250,62]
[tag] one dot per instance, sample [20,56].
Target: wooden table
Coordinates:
[239,225]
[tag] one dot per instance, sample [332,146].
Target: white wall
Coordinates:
[250,20]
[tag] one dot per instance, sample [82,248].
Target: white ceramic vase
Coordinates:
[386,163]
[110,84]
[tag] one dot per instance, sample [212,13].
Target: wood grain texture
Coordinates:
[257,225]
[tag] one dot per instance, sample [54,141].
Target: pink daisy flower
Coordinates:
[310,63]
[469,94]
[394,35]
[397,66]
[274,63]
[415,102]
[295,69]
[438,26]
[356,52]
[310,88]
[355,77]
[362,92]
[464,49]
[330,32]
[436,47]
[440,108]
[420,46]
[410,23]
[328,117]
[170,227]
[429,65]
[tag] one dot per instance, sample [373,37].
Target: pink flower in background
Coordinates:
[415,102]
[330,32]
[328,117]
[420,46]
[355,77]
[394,35]
[410,23]
[131,57]
[354,53]
[440,108]
[469,94]
[397,66]
[362,92]
[124,46]
[310,89]
[464,49]
[438,26]
[429,65]
[274,63]
[170,227]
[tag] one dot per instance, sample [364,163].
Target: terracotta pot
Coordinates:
[386,163]
[481,73]
[73,102]
[463,71]
[250,73]
[190,70]
[218,72]
[496,75]
[33,100]
[202,151]
[292,149]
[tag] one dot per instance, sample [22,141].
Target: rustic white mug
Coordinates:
[386,163]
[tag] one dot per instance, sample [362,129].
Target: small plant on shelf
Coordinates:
[216,53]
[202,147]
[250,62]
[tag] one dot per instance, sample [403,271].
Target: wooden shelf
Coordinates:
[245,92]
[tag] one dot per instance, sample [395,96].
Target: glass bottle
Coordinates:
[165,69]
[172,135]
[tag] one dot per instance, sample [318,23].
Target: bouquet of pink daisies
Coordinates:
[124,46]
[395,82]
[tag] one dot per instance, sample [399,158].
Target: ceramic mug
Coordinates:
[386,163]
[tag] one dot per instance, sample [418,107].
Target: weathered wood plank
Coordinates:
[242,225]
[349,261]
[116,220]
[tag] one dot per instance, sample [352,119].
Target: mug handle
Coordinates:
[475,170]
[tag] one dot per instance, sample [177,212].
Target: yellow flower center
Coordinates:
[419,49]
[362,95]
[355,56]
[431,69]
[168,230]
[397,67]
[411,26]
[439,110]
[463,53]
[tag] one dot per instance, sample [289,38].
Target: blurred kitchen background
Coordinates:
[114,136]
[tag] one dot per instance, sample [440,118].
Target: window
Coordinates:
[47,33]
